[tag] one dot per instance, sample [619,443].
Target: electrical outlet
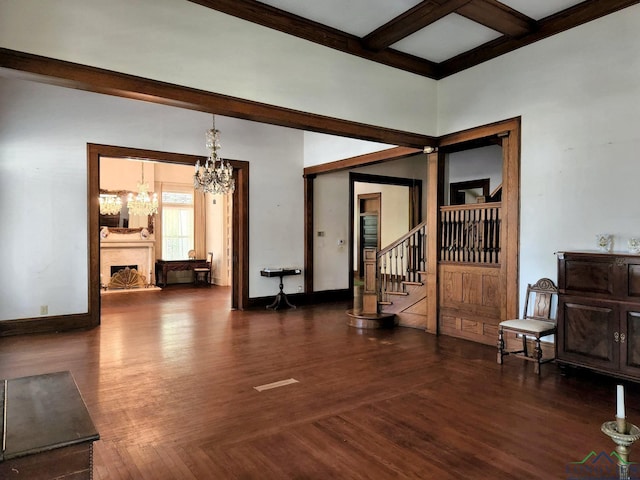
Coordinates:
[44,309]
[299,288]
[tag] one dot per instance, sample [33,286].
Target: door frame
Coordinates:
[367,196]
[415,205]
[507,133]
[240,220]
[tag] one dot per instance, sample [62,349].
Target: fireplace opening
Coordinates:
[117,268]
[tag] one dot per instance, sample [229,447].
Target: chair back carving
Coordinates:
[541,294]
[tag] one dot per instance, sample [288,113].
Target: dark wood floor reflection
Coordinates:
[168,379]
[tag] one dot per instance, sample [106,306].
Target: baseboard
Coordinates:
[50,324]
[299,299]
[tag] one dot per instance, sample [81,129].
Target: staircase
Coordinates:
[401,286]
[394,290]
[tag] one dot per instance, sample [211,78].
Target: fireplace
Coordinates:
[120,251]
[117,268]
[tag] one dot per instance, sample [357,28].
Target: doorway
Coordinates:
[369,207]
[239,220]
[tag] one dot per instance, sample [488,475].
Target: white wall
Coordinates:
[43,176]
[331,216]
[320,148]
[578,94]
[187,44]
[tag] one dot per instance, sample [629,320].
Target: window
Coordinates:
[177,224]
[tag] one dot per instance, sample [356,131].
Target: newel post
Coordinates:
[370,291]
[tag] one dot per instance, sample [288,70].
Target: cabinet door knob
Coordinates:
[622,337]
[616,337]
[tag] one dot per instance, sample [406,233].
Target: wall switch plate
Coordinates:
[44,309]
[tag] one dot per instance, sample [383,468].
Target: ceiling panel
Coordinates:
[357,17]
[540,9]
[446,38]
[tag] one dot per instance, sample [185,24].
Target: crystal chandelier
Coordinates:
[110,204]
[216,176]
[142,203]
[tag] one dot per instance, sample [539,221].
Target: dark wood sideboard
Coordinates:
[164,266]
[599,312]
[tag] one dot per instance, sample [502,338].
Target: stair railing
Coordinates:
[401,262]
[471,233]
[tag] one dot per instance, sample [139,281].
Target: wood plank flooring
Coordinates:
[169,381]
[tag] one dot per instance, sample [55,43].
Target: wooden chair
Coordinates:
[536,324]
[203,274]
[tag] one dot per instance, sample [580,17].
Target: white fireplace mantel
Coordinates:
[127,251]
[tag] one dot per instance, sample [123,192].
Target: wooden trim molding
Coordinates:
[92,79]
[396,153]
[240,274]
[308,233]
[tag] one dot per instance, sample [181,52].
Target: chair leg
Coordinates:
[537,354]
[500,346]
[524,346]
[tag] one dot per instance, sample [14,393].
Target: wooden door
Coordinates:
[369,207]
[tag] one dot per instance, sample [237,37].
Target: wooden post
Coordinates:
[369,293]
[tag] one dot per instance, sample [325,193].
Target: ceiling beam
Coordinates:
[73,75]
[409,22]
[498,17]
[271,17]
[396,153]
[566,19]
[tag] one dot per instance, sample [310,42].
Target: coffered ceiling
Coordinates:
[434,38]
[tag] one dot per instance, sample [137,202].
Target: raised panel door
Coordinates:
[630,340]
[586,331]
[588,275]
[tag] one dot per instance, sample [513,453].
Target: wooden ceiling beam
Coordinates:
[380,156]
[566,19]
[82,77]
[420,16]
[271,17]
[498,17]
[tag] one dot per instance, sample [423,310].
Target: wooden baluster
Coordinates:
[454,236]
[482,254]
[443,236]
[494,227]
[474,233]
[395,270]
[465,237]
[423,257]
[498,226]
[402,267]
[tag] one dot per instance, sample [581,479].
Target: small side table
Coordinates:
[281,298]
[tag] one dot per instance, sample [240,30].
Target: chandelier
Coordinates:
[142,203]
[216,175]
[110,204]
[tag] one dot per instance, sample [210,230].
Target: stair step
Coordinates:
[419,284]
[403,294]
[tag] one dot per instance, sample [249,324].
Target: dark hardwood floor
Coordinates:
[169,381]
